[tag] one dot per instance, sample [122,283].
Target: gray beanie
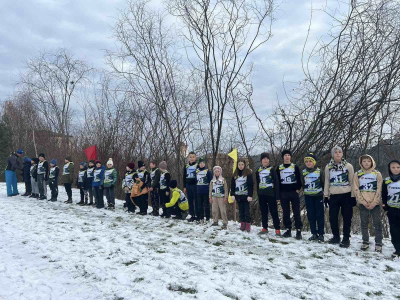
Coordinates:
[163,165]
[336,148]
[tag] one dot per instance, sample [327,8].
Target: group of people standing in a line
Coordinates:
[337,187]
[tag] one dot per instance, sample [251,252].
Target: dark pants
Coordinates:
[244,209]
[41,184]
[265,203]
[129,204]
[394,222]
[288,198]
[90,191]
[337,203]
[175,210]
[143,203]
[28,187]
[315,213]
[202,204]
[164,198]
[54,189]
[68,190]
[99,196]
[155,200]
[84,195]
[110,195]
[191,194]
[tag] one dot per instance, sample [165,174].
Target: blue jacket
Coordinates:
[98,176]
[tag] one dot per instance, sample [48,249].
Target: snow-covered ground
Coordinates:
[59,251]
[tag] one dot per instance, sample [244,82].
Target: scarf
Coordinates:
[338,166]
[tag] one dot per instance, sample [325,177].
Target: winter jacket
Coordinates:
[267,182]
[138,188]
[165,178]
[68,173]
[89,176]
[367,185]
[218,188]
[110,177]
[13,162]
[81,180]
[189,173]
[312,181]
[128,181]
[391,190]
[242,185]
[178,196]
[33,171]
[203,179]
[144,177]
[98,176]
[43,169]
[155,178]
[338,178]
[289,178]
[26,171]
[53,174]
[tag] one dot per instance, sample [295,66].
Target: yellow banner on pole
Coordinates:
[234,156]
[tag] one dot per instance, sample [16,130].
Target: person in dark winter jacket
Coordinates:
[268,193]
[165,178]
[81,184]
[391,203]
[242,191]
[53,179]
[154,187]
[189,184]
[68,177]
[13,164]
[110,180]
[89,180]
[289,188]
[33,172]
[97,184]
[313,183]
[203,177]
[26,174]
[127,184]
[143,199]
[42,176]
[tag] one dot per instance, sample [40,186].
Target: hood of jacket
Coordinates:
[373,167]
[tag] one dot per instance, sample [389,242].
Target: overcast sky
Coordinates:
[84,26]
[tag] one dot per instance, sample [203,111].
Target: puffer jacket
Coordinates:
[367,185]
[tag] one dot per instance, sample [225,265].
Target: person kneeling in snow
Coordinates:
[178,205]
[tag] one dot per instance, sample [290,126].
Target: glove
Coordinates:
[326,201]
[353,201]
[249,199]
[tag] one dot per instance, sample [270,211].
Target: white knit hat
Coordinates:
[110,162]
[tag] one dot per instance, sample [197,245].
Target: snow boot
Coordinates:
[192,219]
[313,238]
[80,202]
[298,234]
[345,242]
[42,197]
[378,248]
[396,254]
[184,215]
[214,224]
[364,246]
[263,231]
[53,199]
[69,201]
[321,239]
[334,240]
[32,196]
[110,206]
[26,194]
[248,227]
[224,227]
[287,234]
[36,196]
[155,213]
[277,232]
[242,226]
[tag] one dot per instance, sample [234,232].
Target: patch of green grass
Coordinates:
[218,243]
[287,276]
[131,262]
[138,279]
[160,251]
[119,219]
[262,283]
[250,252]
[246,238]
[378,293]
[171,225]
[271,259]
[231,253]
[274,241]
[358,274]
[179,288]
[315,255]
[301,267]
[389,269]
[326,279]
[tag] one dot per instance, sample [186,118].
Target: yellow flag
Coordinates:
[234,156]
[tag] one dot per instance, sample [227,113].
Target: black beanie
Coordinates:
[41,155]
[286,151]
[140,164]
[264,155]
[173,184]
[36,160]
[91,161]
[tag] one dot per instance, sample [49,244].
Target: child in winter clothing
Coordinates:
[139,190]
[143,199]
[289,188]
[391,203]
[339,175]
[97,184]
[42,176]
[242,191]
[33,173]
[189,184]
[68,177]
[154,188]
[127,184]
[26,174]
[53,180]
[110,180]
[312,180]
[203,177]
[178,205]
[268,193]
[165,178]
[89,180]
[218,195]
[81,184]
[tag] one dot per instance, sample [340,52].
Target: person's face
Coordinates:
[109,166]
[265,162]
[98,165]
[286,158]
[81,167]
[152,165]
[241,165]
[32,162]
[91,164]
[128,169]
[192,158]
[51,165]
[366,163]
[66,161]
[395,168]
[202,164]
[41,158]
[217,172]
[337,156]
[142,168]
[309,164]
